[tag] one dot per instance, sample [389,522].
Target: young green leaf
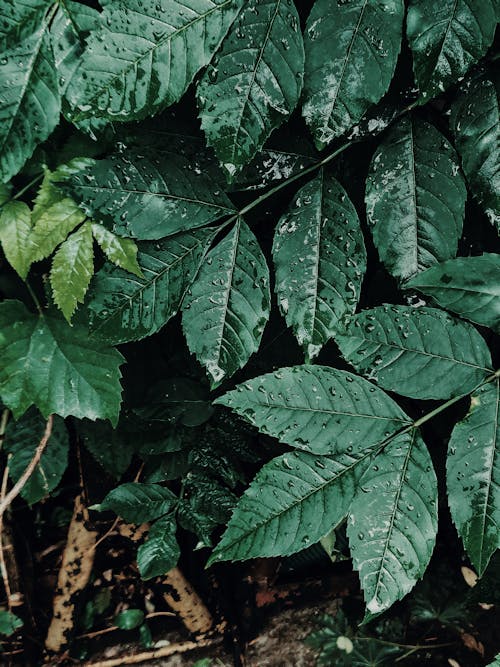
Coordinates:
[15,229]
[446,38]
[9,623]
[122,308]
[475,123]
[473,476]
[294,501]
[146,54]
[318,409]
[320,259]
[392,521]
[21,440]
[120,251]
[148,198]
[351,53]
[160,552]
[72,269]
[418,352]
[468,286]
[415,198]
[56,367]
[254,83]
[29,100]
[136,502]
[227,306]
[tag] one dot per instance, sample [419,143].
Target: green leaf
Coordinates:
[415,198]
[468,286]
[351,53]
[130,619]
[316,408]
[272,165]
[109,446]
[473,476]
[136,502]
[176,400]
[254,83]
[29,100]
[72,269]
[9,623]
[392,522]
[15,228]
[475,123]
[320,259]
[21,441]
[160,552]
[294,501]
[120,251]
[5,193]
[418,352]
[122,308]
[227,306]
[446,38]
[146,54]
[56,367]
[20,18]
[148,198]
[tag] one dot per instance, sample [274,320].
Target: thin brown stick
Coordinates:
[19,485]
[3,565]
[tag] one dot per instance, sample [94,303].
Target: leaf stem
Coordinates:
[34,296]
[29,185]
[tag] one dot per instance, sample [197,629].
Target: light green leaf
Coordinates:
[122,308]
[120,251]
[418,352]
[446,38]
[56,367]
[136,502]
[20,18]
[148,198]
[475,123]
[392,521]
[15,228]
[294,501]
[468,286]
[160,552]
[473,476]
[146,54]
[415,198]
[9,623]
[351,53]
[21,440]
[254,83]
[320,259]
[317,409]
[29,100]
[72,269]
[227,306]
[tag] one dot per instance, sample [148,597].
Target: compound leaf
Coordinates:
[320,259]
[15,229]
[137,502]
[227,306]
[415,198]
[160,552]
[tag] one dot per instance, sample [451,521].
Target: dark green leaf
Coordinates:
[270,165]
[137,503]
[160,552]
[129,619]
[176,400]
[20,18]
[110,448]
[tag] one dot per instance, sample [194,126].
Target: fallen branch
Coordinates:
[185,601]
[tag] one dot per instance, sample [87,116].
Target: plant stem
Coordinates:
[33,296]
[27,187]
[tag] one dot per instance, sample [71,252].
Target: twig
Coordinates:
[3,566]
[113,628]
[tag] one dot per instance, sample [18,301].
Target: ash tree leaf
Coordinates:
[392,521]
[318,409]
[122,307]
[473,476]
[320,260]
[446,38]
[351,52]
[15,229]
[475,123]
[160,552]
[294,501]
[20,19]
[57,368]
[137,502]
[468,286]
[254,82]
[120,251]
[148,198]
[227,306]
[21,441]
[72,269]
[418,352]
[146,54]
[415,198]
[29,100]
